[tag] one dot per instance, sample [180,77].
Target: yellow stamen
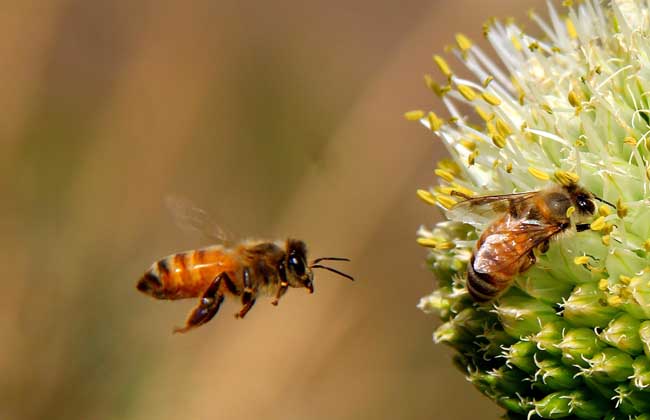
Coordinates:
[435,122]
[598,224]
[566,178]
[468,144]
[499,141]
[471,159]
[490,98]
[414,115]
[646,245]
[570,28]
[539,174]
[503,128]
[621,209]
[426,196]
[604,210]
[614,301]
[428,242]
[442,65]
[624,279]
[509,168]
[487,81]
[582,260]
[516,43]
[603,284]
[467,92]
[574,99]
[463,42]
[445,201]
[605,240]
[446,175]
[630,140]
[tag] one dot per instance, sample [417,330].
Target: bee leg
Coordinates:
[208,305]
[531,260]
[543,247]
[247,298]
[283,284]
[281,291]
[582,227]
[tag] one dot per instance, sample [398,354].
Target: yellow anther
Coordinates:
[614,300]
[621,209]
[624,279]
[570,211]
[414,115]
[598,224]
[462,190]
[442,65]
[468,144]
[603,284]
[467,92]
[516,43]
[449,165]
[428,242]
[570,28]
[487,81]
[582,260]
[566,178]
[446,175]
[630,140]
[605,240]
[471,159]
[490,98]
[499,141]
[426,196]
[485,116]
[547,109]
[435,122]
[604,210]
[574,98]
[503,128]
[446,245]
[509,168]
[646,245]
[539,174]
[445,201]
[463,42]
[533,46]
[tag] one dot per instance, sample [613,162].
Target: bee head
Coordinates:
[298,272]
[583,201]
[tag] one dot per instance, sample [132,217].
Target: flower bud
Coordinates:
[587,307]
[610,365]
[579,344]
[522,316]
[623,333]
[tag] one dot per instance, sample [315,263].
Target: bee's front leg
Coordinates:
[208,305]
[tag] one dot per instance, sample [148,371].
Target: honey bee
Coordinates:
[245,271]
[524,222]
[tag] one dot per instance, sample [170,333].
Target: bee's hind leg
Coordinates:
[208,305]
[248,295]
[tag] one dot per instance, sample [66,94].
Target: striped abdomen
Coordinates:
[187,274]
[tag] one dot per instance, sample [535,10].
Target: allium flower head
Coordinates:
[571,338]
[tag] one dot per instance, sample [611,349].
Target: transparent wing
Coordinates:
[481,210]
[515,239]
[191,218]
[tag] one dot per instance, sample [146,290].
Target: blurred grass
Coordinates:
[279,118]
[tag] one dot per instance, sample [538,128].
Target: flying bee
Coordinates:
[245,271]
[524,222]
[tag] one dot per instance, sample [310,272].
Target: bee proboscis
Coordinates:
[521,224]
[245,270]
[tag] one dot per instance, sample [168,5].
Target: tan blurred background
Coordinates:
[280,118]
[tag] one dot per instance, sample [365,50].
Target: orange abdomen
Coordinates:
[187,274]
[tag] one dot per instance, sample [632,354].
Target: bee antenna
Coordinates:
[604,201]
[317,260]
[347,276]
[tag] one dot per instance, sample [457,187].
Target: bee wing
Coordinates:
[192,218]
[506,246]
[480,210]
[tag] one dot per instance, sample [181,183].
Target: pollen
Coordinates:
[604,210]
[571,29]
[503,128]
[539,174]
[582,260]
[426,196]
[463,42]
[621,209]
[446,175]
[599,224]
[491,99]
[603,284]
[445,201]
[570,211]
[414,115]
[442,65]
[435,122]
[646,245]
[566,178]
[467,92]
[499,141]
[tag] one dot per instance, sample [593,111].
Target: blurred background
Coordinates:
[280,119]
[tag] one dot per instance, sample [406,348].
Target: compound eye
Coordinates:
[296,266]
[585,205]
